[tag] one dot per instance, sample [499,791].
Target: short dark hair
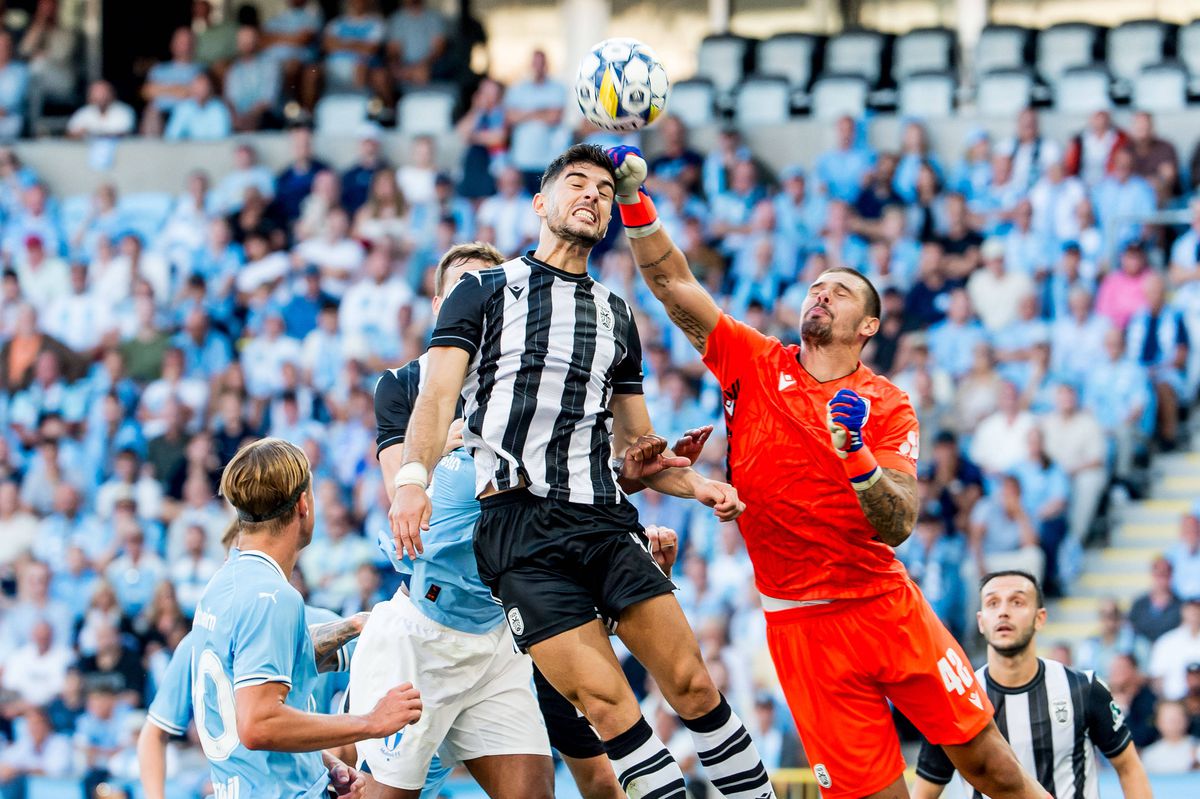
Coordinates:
[1037,587]
[579,154]
[874,304]
[460,253]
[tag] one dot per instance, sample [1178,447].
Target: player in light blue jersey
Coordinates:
[250,640]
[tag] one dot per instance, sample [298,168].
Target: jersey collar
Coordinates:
[254,553]
[808,376]
[554,270]
[1020,689]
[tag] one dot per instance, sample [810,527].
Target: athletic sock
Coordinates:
[728,755]
[644,767]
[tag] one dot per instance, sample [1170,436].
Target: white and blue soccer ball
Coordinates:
[622,85]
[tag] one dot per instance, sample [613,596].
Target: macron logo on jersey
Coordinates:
[786,381]
[516,291]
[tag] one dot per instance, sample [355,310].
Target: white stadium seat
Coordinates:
[1161,87]
[145,212]
[722,60]
[923,50]
[927,95]
[763,100]
[1134,45]
[693,101]
[1001,47]
[1004,92]
[426,111]
[856,52]
[1066,45]
[1189,52]
[836,95]
[341,114]
[789,55]
[1082,90]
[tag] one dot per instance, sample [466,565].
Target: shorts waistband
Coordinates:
[771,604]
[512,496]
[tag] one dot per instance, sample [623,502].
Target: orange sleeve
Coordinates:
[730,348]
[896,444]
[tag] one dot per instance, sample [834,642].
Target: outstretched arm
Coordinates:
[663,266]
[329,638]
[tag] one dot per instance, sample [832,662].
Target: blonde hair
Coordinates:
[230,536]
[459,253]
[264,482]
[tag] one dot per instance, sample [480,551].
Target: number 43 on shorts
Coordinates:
[958,677]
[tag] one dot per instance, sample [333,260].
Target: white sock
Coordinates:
[644,767]
[728,755]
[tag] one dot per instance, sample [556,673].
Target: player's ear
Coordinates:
[869,326]
[302,505]
[539,204]
[1039,621]
[979,622]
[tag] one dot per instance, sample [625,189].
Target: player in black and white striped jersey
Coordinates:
[1053,716]
[549,363]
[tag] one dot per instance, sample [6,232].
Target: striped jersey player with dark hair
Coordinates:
[1054,716]
[824,453]
[549,363]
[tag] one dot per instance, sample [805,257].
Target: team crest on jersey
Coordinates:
[604,316]
[1060,711]
[822,775]
[515,622]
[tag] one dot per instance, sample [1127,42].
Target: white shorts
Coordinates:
[476,691]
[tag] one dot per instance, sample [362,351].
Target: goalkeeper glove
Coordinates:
[637,209]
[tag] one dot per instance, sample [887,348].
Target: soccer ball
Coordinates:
[621,85]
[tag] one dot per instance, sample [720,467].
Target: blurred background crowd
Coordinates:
[1041,304]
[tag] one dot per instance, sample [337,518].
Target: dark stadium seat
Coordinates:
[340,114]
[1082,90]
[1066,45]
[792,56]
[426,111]
[1161,87]
[858,52]
[834,95]
[927,95]
[693,101]
[724,59]
[1004,92]
[1002,47]
[1134,45]
[923,50]
[763,100]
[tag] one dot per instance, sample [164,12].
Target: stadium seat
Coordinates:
[426,111]
[763,100]
[341,114]
[1189,52]
[1160,87]
[724,59]
[923,50]
[1134,45]
[792,56]
[1082,90]
[927,95]
[1002,47]
[1066,45]
[857,52]
[835,95]
[1004,92]
[693,102]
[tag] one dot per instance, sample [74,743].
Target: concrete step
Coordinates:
[1069,632]
[1121,559]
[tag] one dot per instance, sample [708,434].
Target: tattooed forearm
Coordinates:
[659,261]
[696,332]
[891,506]
[330,637]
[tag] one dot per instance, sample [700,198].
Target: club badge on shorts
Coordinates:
[515,622]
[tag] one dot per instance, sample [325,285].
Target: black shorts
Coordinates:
[557,565]
[569,732]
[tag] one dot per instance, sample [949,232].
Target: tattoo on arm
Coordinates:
[329,638]
[696,332]
[659,261]
[891,506]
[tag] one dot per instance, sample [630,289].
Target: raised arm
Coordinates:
[663,266]
[329,638]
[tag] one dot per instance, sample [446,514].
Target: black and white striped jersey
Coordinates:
[1054,724]
[548,351]
[395,394]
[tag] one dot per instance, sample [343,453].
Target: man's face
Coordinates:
[578,206]
[835,311]
[1009,616]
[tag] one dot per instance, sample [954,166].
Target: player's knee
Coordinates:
[607,711]
[691,691]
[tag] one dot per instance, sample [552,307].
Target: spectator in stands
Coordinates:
[1133,696]
[841,246]
[1026,249]
[128,480]
[1002,439]
[1185,557]
[36,671]
[677,160]
[1055,200]
[34,605]
[952,341]
[351,44]
[34,217]
[1174,650]
[955,483]
[290,38]
[1091,154]
[216,42]
[533,111]
[356,181]
[1002,536]
[1045,489]
[1184,263]
[99,731]
[1118,391]
[1115,637]
[1122,199]
[1158,610]
[385,218]
[295,182]
[18,527]
[70,524]
[43,276]
[914,153]
[842,170]
[1191,700]
[1030,153]
[1176,752]
[37,751]
[417,178]
[103,116]
[14,88]
[1157,338]
[1075,441]
[1123,293]
[114,669]
[49,49]
[1077,337]
[415,48]
[330,563]
[506,213]
[201,116]
[136,571]
[996,290]
[880,192]
[1154,158]
[169,82]
[973,174]
[253,85]
[960,242]
[934,556]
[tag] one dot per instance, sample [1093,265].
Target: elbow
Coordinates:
[252,732]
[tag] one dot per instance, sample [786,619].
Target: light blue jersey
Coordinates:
[445,584]
[250,629]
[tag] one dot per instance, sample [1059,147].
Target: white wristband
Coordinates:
[644,230]
[412,473]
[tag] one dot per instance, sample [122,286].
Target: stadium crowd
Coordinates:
[1044,334]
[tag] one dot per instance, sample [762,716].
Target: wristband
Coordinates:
[862,469]
[412,473]
[639,215]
